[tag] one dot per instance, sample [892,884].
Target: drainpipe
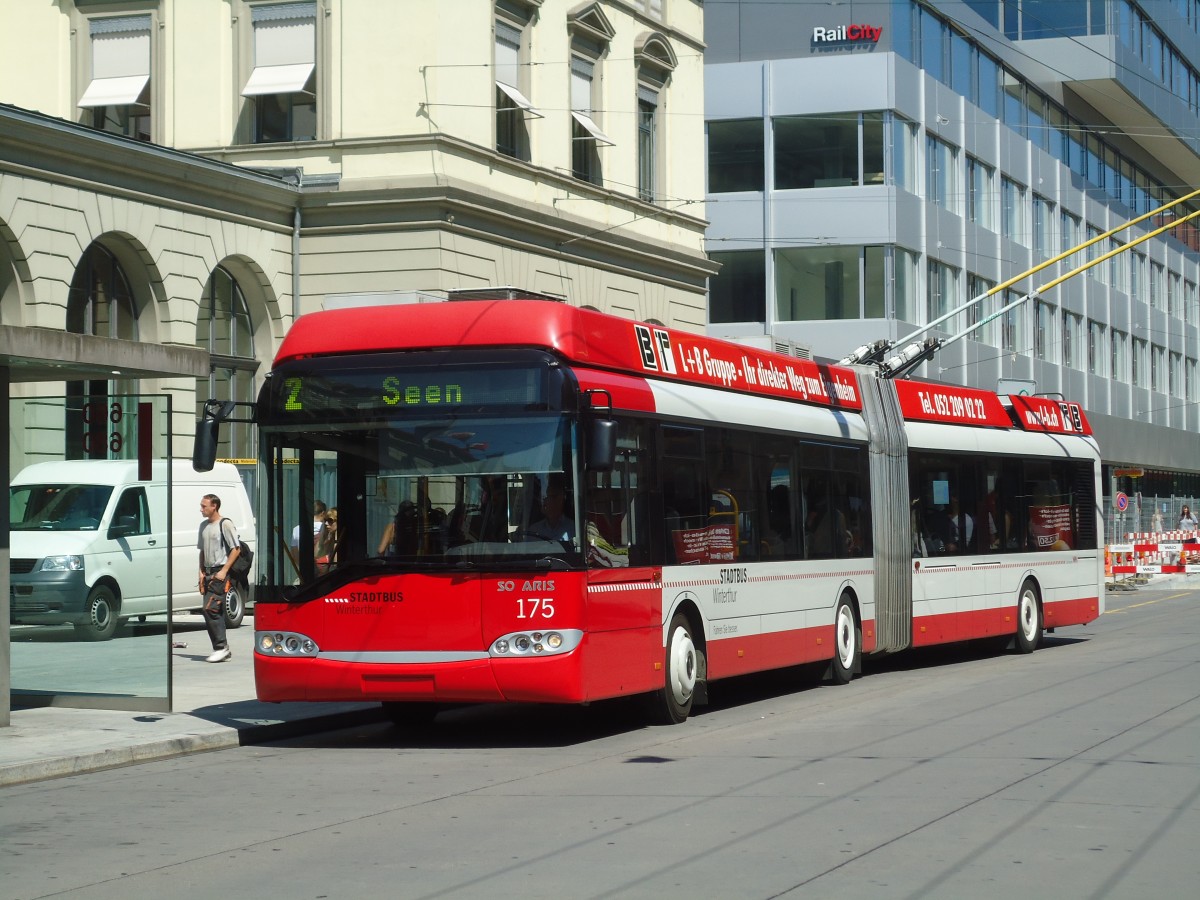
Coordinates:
[296,247]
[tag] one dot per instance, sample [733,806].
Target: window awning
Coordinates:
[520,99]
[278,79]
[589,125]
[122,91]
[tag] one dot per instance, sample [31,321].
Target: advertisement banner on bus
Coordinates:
[1044,414]
[950,404]
[699,360]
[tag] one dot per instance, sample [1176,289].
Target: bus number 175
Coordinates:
[535,607]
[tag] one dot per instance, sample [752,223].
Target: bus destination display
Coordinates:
[304,393]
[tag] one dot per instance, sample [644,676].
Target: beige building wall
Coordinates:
[402,190]
[63,190]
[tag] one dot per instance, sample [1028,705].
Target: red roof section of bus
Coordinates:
[581,336]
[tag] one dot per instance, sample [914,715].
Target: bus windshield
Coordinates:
[454,492]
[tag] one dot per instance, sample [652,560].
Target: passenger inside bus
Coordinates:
[951,530]
[917,528]
[401,536]
[329,539]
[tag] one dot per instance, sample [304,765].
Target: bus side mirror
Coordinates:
[204,450]
[602,445]
[208,430]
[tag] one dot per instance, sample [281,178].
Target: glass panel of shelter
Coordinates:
[70,643]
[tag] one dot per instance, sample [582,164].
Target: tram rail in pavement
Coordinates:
[215,708]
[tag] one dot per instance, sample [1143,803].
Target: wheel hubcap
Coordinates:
[681,674]
[845,637]
[100,613]
[1028,616]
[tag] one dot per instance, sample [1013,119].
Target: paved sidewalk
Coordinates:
[215,709]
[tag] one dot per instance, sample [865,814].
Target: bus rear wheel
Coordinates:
[847,643]
[1029,619]
[673,703]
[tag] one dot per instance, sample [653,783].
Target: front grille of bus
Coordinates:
[21,566]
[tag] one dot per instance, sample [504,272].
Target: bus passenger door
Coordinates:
[956,593]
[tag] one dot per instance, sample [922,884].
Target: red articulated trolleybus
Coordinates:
[540,503]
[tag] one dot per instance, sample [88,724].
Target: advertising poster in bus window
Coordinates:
[711,544]
[1051,527]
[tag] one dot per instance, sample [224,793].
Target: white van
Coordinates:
[88,541]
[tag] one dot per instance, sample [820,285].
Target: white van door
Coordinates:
[136,554]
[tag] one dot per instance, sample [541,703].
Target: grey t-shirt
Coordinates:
[208,541]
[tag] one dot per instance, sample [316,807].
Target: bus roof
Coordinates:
[580,336]
[597,340]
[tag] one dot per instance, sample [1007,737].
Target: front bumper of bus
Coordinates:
[436,676]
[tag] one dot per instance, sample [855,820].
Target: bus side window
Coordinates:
[618,504]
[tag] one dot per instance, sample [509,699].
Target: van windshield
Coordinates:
[57,507]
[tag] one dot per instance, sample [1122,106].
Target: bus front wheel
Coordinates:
[673,703]
[1029,619]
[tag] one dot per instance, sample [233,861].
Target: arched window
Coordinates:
[100,303]
[224,329]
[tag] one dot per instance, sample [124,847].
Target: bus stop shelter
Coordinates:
[29,355]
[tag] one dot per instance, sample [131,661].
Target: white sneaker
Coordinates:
[220,655]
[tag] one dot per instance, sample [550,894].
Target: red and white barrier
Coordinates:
[1157,553]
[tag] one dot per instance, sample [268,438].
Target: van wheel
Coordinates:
[235,606]
[101,622]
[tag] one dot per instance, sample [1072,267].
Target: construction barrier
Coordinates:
[1154,554]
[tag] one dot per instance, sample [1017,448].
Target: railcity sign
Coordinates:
[847,34]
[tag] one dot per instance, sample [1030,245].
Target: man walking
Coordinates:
[219,546]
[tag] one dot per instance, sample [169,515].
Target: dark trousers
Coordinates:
[215,592]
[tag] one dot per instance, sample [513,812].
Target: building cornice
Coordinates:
[32,144]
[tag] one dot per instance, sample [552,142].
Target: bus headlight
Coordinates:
[284,643]
[536,643]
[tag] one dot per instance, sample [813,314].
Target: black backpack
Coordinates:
[241,566]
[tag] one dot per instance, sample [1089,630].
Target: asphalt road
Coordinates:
[1074,772]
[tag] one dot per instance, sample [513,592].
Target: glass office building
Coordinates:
[871,167]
